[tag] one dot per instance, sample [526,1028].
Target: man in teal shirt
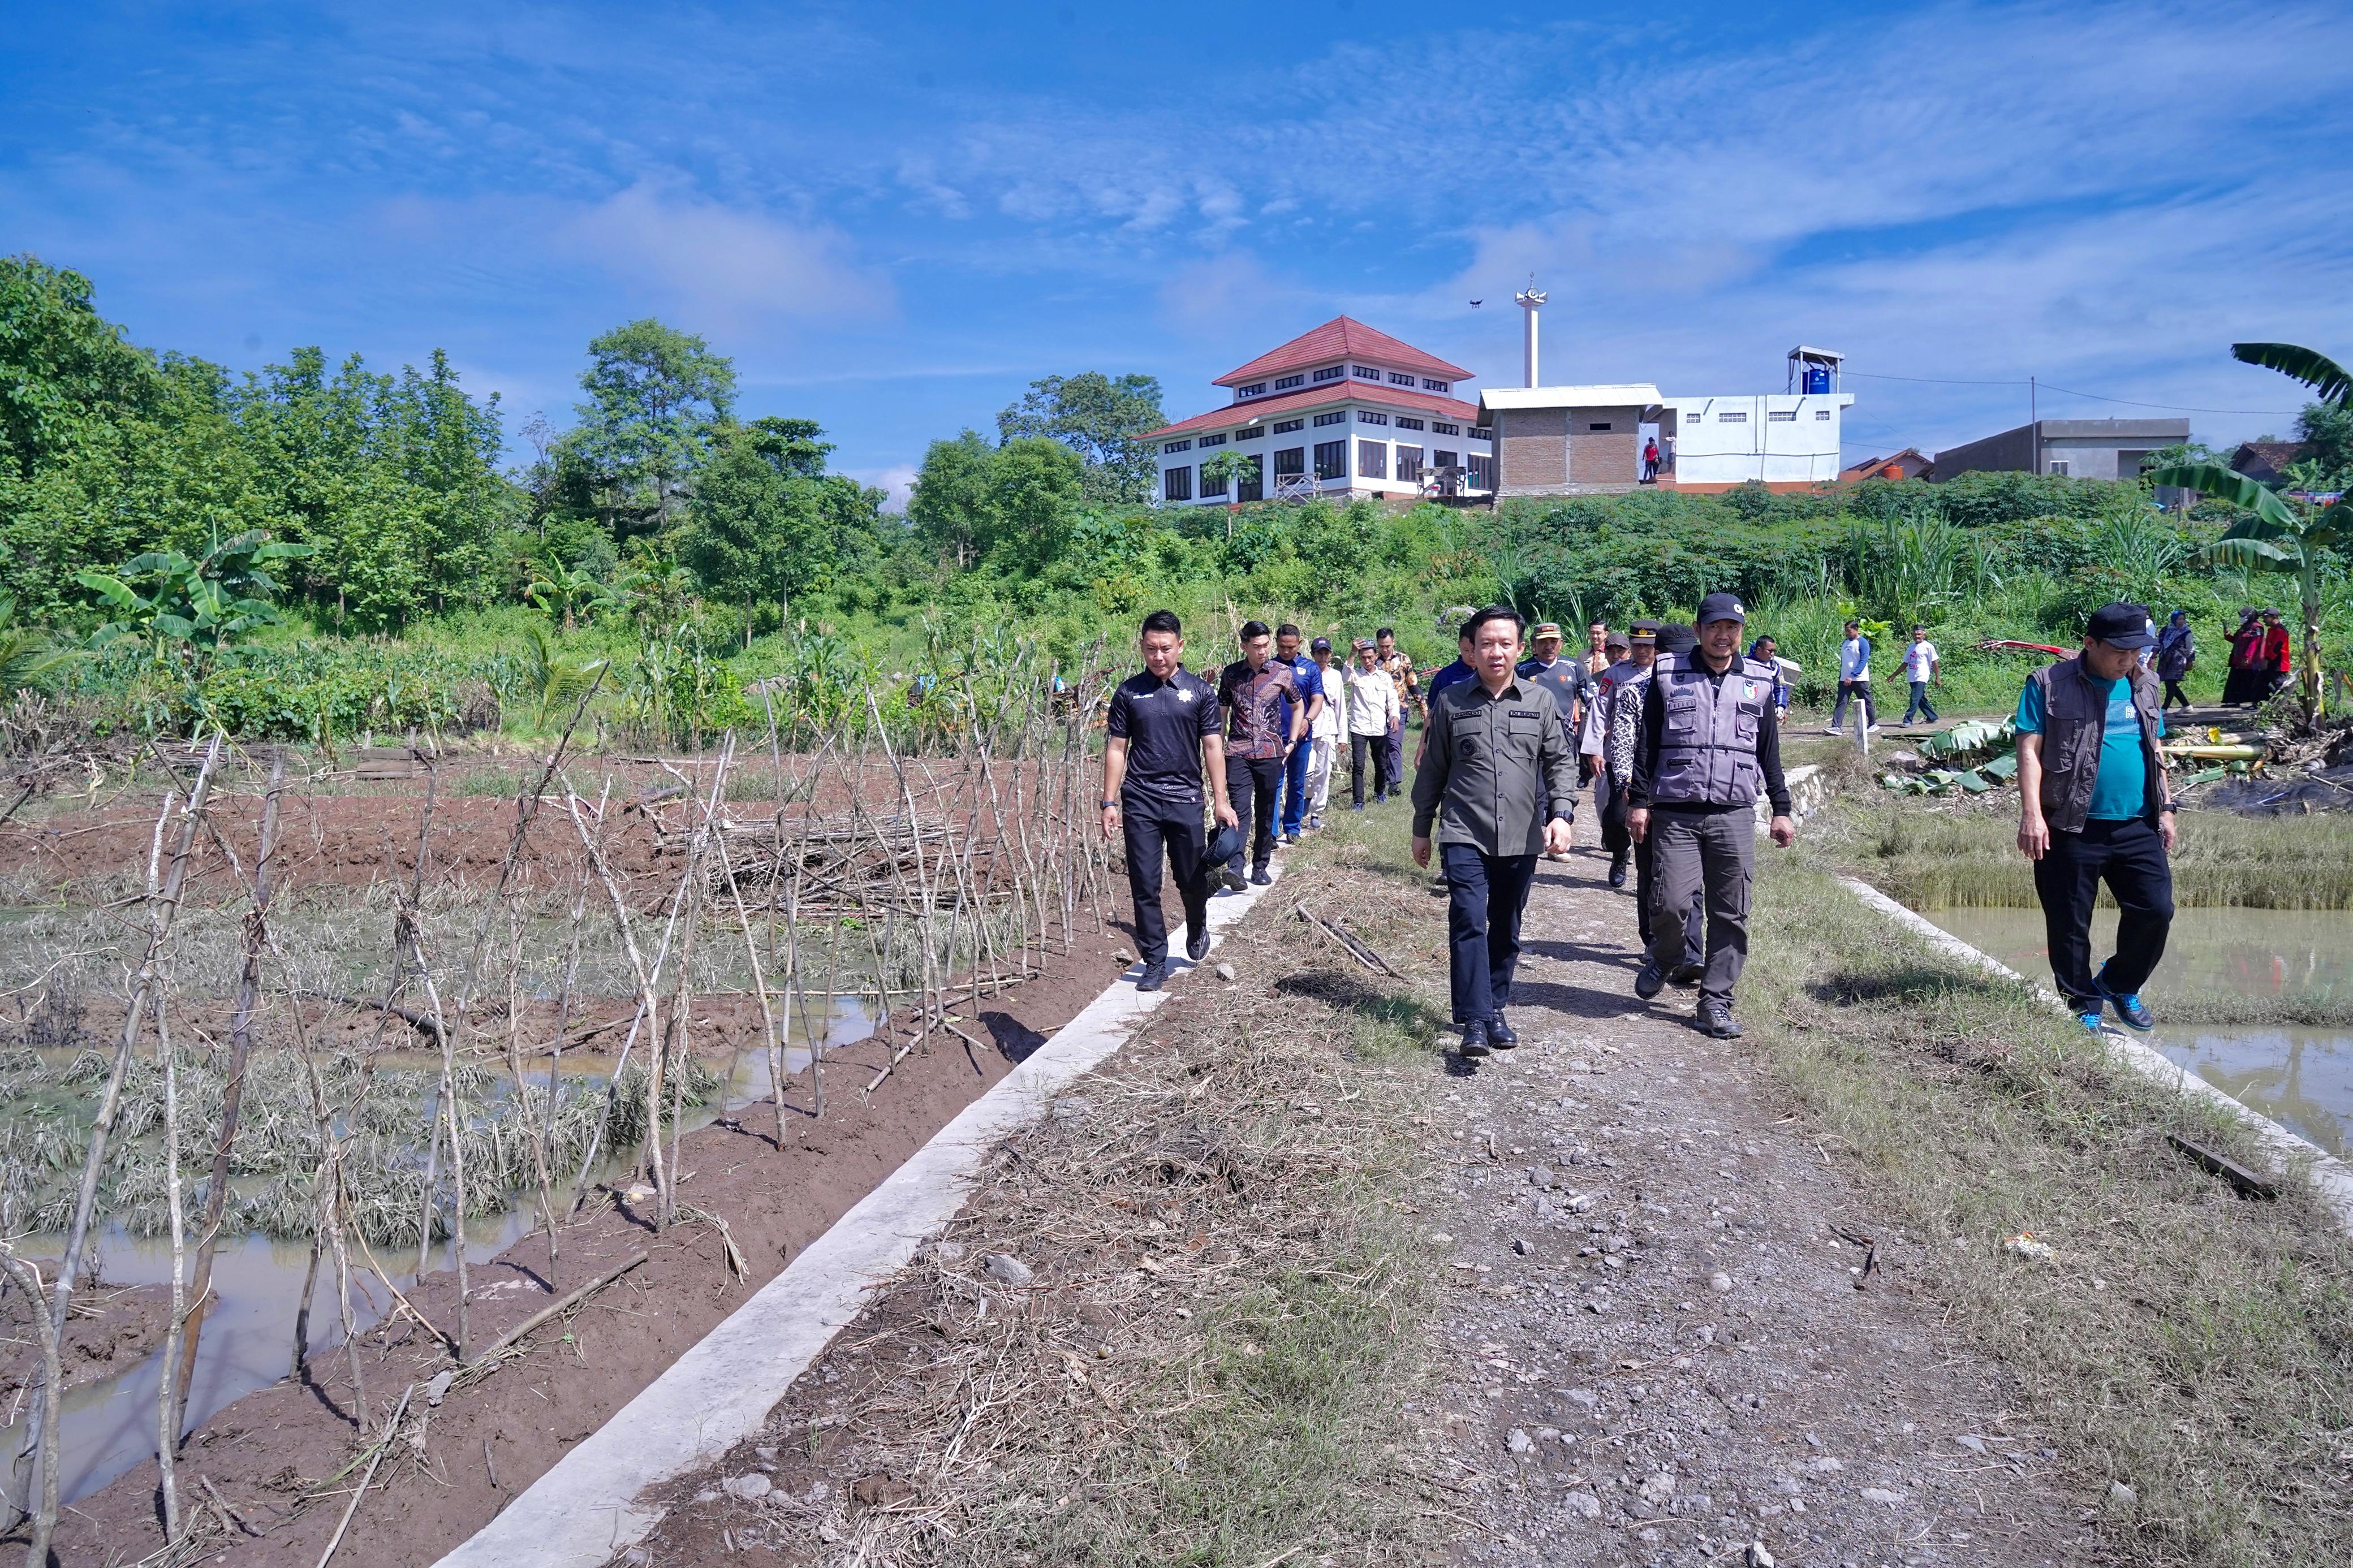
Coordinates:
[2095,805]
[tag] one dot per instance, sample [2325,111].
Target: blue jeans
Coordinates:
[1295,787]
[1920,703]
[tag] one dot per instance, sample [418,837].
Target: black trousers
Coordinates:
[1151,831]
[2130,857]
[2174,696]
[1254,786]
[1485,896]
[1861,691]
[1378,745]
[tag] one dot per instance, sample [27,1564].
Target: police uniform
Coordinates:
[1708,748]
[1495,770]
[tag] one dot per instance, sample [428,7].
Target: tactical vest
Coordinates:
[2075,727]
[1707,733]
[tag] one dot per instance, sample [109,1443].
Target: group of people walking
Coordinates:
[1677,730]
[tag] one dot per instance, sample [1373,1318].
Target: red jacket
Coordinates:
[2276,654]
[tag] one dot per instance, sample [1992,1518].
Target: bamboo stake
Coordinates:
[522,1089]
[42,1431]
[41,1488]
[248,990]
[168,1403]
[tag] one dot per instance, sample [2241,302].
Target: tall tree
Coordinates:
[1099,419]
[655,397]
[61,364]
[952,505]
[1014,504]
[769,523]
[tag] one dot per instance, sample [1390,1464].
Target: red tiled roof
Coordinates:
[1306,397]
[1344,338]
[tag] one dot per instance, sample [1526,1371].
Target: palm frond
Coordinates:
[2228,485]
[2254,554]
[2329,381]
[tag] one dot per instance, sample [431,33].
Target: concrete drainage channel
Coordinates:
[2331,1178]
[592,1504]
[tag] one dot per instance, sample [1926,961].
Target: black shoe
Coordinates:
[1501,1034]
[1716,1019]
[1153,973]
[1687,975]
[1474,1038]
[1650,982]
[1290,838]
[1261,879]
[1197,942]
[1618,871]
[1232,879]
[2128,1006]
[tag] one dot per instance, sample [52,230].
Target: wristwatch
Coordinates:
[1111,805]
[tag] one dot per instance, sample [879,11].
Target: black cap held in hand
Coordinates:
[2121,626]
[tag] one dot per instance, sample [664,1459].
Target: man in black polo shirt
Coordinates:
[1162,740]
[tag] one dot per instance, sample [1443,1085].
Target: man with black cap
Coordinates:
[2094,805]
[1163,739]
[1566,679]
[1497,780]
[1628,703]
[1709,746]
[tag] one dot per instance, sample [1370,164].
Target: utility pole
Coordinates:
[1531,300]
[2033,428]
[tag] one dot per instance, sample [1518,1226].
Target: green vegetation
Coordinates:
[684,553]
[2195,1347]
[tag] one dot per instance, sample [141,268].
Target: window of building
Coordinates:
[1365,373]
[1255,389]
[1403,423]
[1600,425]
[1482,469]
[1217,440]
[1367,417]
[1338,417]
[2060,469]
[1177,447]
[1330,459]
[1430,386]
[1408,465]
[1176,484]
[1399,378]
[1212,485]
[1821,412]
[1250,432]
[1250,483]
[1285,382]
[1731,416]
[1781,415]
[1444,458]
[1440,427]
[1372,460]
[1290,463]
[1331,373]
[1285,427]
[1481,433]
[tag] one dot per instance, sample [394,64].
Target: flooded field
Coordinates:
[2264,964]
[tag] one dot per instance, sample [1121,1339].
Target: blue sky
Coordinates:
[894,216]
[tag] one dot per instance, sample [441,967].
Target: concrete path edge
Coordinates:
[2331,1178]
[592,1503]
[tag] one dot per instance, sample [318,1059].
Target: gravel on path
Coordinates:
[1679,1329]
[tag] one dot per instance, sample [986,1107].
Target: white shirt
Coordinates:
[1373,701]
[1919,660]
[1325,725]
[1854,663]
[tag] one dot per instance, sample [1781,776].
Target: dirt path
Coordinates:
[1656,1349]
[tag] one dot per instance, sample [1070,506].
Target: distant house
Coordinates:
[2267,462]
[1908,464]
[2078,449]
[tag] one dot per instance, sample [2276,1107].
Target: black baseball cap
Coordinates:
[2121,626]
[1321,644]
[1720,607]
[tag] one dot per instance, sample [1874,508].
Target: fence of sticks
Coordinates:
[838,852]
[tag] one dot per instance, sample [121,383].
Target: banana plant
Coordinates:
[2273,535]
[553,681]
[565,592]
[171,602]
[27,656]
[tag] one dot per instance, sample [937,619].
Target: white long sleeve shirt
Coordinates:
[1373,702]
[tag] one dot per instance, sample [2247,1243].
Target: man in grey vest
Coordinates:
[1708,747]
[2095,804]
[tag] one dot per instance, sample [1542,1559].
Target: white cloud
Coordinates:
[899,480]
[725,266]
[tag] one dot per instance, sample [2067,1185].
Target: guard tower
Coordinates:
[1814,370]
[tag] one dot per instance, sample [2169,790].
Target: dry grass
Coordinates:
[2195,1347]
[1228,1298]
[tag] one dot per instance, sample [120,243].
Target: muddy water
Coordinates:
[109,1427]
[2299,1075]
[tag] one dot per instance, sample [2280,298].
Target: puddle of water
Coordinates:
[2300,1077]
[109,1427]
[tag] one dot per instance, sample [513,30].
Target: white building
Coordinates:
[1784,438]
[1339,411]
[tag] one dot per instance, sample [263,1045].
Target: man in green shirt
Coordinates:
[2095,805]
